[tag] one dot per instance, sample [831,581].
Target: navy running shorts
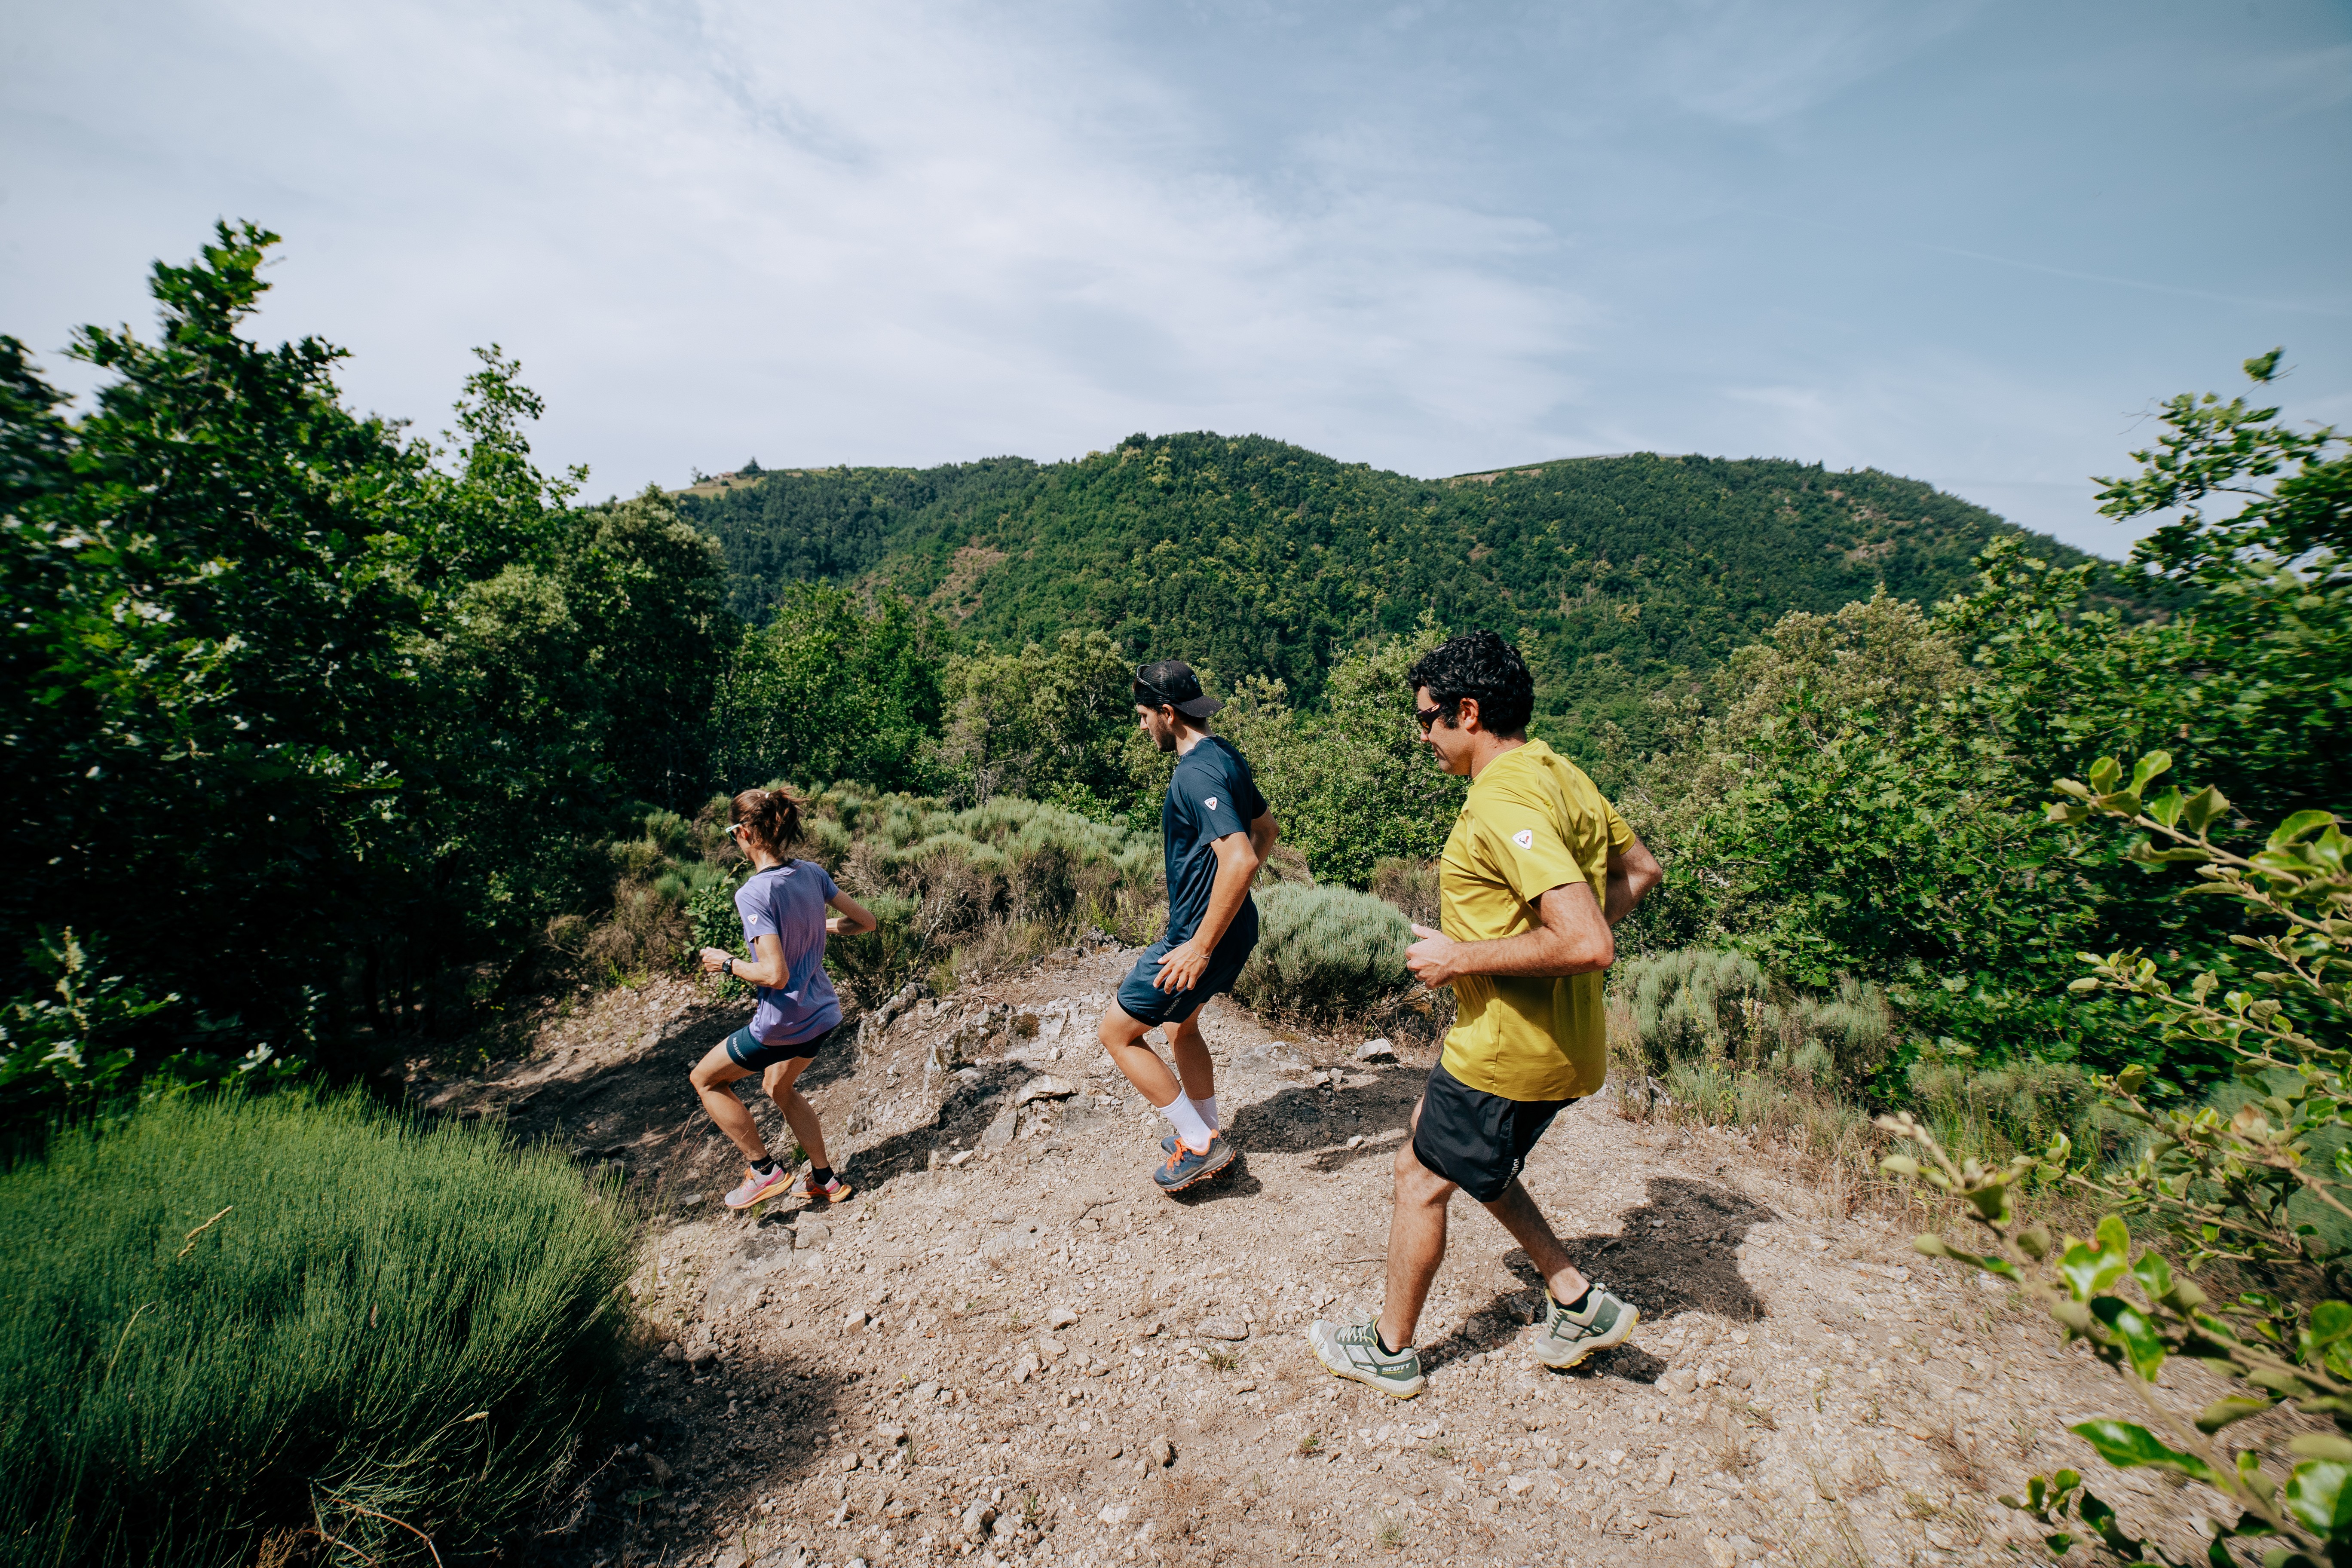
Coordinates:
[1145,1003]
[1478,1142]
[745,1051]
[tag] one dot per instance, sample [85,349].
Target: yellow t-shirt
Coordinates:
[1532,822]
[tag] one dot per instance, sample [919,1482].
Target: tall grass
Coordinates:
[230,1323]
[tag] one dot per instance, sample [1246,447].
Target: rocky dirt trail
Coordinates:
[1009,1348]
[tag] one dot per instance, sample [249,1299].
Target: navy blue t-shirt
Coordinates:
[1212,794]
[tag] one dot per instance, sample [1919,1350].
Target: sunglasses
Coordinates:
[1428,716]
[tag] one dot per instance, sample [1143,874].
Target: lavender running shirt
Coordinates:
[787,902]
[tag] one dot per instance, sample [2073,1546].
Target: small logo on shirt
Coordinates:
[1525,837]
[1212,802]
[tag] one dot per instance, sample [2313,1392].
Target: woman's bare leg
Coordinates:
[711,1078]
[798,1114]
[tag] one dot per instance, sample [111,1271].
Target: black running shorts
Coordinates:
[1478,1140]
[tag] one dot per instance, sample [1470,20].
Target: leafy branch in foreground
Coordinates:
[2243,1191]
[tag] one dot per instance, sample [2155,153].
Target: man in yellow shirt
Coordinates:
[1537,870]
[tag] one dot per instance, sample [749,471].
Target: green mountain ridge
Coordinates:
[1256,557]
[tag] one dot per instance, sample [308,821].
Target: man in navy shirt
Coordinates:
[1215,832]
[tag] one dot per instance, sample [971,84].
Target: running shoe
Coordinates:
[756,1186]
[1568,1337]
[1183,1166]
[1168,1144]
[1353,1350]
[831,1190]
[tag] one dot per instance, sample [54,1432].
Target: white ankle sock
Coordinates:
[1191,1130]
[1208,1109]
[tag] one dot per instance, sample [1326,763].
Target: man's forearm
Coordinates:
[1621,898]
[1225,896]
[1539,954]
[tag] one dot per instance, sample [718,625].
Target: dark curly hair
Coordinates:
[1480,664]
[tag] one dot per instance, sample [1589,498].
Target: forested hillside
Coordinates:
[1261,558]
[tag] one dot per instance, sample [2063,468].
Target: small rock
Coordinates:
[894,1435]
[959,1156]
[1161,1452]
[1664,1475]
[926,1391]
[1678,1379]
[853,1320]
[1519,1485]
[729,1557]
[1060,1318]
[1740,1377]
[849,1460]
[810,1233]
[673,1352]
[1222,1329]
[662,1473]
[1719,1554]
[1378,1050]
[701,1353]
[1043,1087]
[1357,1141]
[999,1134]
[978,1517]
[1115,1513]
[1052,1346]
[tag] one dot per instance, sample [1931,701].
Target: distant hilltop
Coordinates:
[1615,572]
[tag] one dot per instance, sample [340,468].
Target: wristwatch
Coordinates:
[728,964]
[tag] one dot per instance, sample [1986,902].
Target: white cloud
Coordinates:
[1437,238]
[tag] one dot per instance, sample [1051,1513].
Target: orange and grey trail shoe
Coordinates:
[757,1186]
[1353,1350]
[1184,1167]
[1566,1338]
[831,1190]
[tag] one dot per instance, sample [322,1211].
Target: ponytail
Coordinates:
[770,816]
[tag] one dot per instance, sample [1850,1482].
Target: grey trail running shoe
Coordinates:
[1353,1349]
[1568,1337]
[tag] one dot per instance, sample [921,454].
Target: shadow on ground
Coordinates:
[678,1413]
[1677,1254]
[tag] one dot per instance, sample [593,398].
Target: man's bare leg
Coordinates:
[1529,1228]
[1122,1036]
[1416,1243]
[1190,1050]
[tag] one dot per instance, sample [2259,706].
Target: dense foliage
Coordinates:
[1267,560]
[2242,1193]
[303,717]
[240,1320]
[1855,799]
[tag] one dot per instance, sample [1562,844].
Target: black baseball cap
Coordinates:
[1172,682]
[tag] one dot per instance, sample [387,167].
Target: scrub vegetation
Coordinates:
[413,736]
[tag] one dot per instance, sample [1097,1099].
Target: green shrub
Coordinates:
[1717,1005]
[225,1320]
[1323,951]
[2228,1197]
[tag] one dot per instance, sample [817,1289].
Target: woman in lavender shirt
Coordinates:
[784,926]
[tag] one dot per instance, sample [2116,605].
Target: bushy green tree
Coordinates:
[828,691]
[1047,723]
[297,708]
[2245,1193]
[1879,829]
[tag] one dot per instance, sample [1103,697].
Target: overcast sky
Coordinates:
[1966,242]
